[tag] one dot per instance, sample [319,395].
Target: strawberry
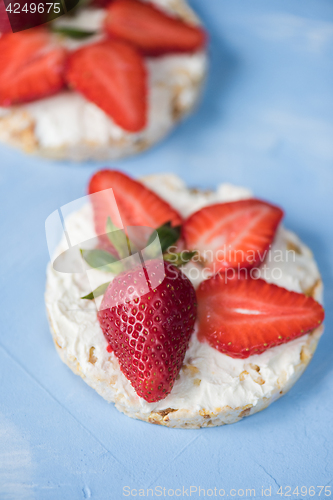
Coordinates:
[112,75]
[31,66]
[149,333]
[150,29]
[137,205]
[5,26]
[241,317]
[231,235]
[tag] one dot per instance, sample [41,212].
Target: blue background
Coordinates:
[266,121]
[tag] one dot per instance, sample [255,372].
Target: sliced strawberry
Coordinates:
[31,66]
[137,205]
[231,235]
[112,75]
[242,317]
[150,29]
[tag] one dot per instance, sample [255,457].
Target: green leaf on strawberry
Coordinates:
[119,240]
[168,235]
[77,34]
[106,262]
[102,260]
[97,292]
[179,259]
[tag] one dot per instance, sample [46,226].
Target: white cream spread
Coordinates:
[209,380]
[68,119]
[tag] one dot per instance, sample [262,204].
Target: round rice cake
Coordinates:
[68,126]
[212,388]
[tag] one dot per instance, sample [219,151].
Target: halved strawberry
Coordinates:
[112,75]
[150,29]
[234,234]
[137,205]
[241,317]
[31,66]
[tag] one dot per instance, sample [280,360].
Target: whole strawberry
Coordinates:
[149,329]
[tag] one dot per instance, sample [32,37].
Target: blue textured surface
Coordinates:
[266,122]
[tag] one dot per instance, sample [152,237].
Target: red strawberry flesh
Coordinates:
[31,66]
[242,317]
[150,29]
[149,333]
[228,235]
[112,75]
[137,205]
